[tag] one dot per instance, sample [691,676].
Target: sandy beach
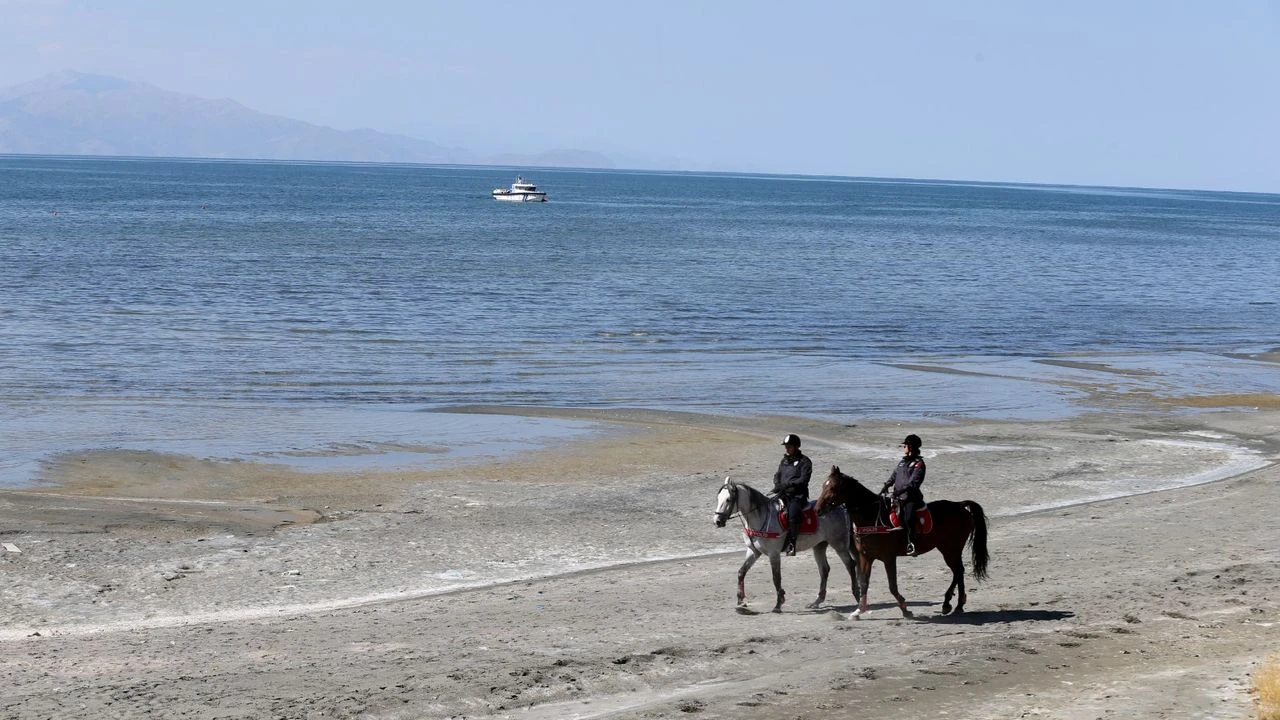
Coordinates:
[1133,574]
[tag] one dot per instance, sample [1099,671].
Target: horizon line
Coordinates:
[742,174]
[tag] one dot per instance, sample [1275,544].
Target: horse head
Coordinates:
[841,489]
[830,495]
[726,502]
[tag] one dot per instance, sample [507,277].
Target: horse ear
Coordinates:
[835,468]
[727,481]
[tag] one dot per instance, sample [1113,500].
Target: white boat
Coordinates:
[520,191]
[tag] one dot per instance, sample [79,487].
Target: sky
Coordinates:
[1118,93]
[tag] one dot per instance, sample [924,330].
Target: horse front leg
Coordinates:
[824,570]
[891,572]
[752,556]
[864,579]
[775,563]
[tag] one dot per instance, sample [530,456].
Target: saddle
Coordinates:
[924,520]
[808,519]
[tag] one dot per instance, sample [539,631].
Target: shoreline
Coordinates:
[182,478]
[316,435]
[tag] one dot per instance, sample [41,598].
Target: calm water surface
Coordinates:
[221,286]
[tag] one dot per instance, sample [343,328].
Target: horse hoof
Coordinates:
[814,605]
[946,609]
[908,614]
[778,609]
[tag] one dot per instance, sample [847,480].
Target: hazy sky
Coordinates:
[1163,94]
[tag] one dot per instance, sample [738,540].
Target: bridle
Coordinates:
[828,487]
[724,517]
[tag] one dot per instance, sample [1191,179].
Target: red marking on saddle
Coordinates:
[752,532]
[808,520]
[924,520]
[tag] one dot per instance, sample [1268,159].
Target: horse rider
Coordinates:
[791,486]
[905,483]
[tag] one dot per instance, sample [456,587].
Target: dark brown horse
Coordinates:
[954,525]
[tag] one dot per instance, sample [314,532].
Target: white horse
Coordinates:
[762,532]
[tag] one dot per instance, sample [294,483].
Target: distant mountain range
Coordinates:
[70,113]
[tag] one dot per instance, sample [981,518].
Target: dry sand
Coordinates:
[588,581]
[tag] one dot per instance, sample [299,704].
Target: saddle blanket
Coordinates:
[808,520]
[924,524]
[924,520]
[777,526]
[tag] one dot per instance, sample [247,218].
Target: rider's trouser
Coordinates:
[907,510]
[795,511]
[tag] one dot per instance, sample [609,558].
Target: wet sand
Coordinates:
[1132,575]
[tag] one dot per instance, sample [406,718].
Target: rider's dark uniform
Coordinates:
[791,485]
[905,481]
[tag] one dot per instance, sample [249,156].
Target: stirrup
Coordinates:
[911,549]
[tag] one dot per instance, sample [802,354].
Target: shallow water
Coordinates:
[300,437]
[235,292]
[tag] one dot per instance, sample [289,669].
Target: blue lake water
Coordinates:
[210,291]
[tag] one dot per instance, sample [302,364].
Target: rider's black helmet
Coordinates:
[791,440]
[912,441]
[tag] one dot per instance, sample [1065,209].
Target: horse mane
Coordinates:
[757,498]
[861,494]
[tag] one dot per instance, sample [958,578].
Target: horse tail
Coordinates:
[978,541]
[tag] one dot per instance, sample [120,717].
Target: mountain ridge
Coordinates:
[73,113]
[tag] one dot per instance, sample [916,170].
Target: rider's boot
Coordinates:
[789,545]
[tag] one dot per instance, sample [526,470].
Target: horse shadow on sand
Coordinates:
[988,617]
[968,617]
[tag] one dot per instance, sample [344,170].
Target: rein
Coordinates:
[738,513]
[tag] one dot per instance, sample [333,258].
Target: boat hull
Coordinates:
[508,196]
